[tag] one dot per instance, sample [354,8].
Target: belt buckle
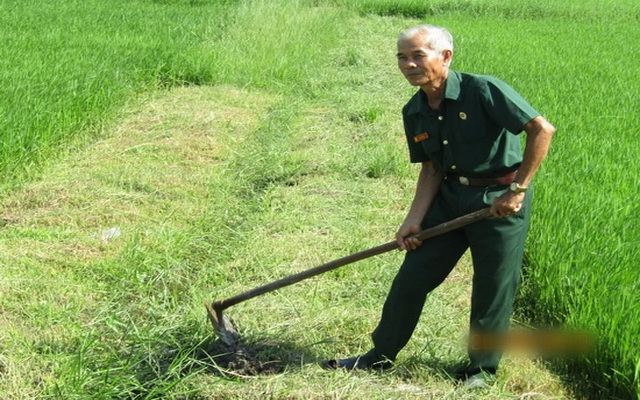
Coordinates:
[463,180]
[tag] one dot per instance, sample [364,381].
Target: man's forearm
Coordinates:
[539,133]
[427,187]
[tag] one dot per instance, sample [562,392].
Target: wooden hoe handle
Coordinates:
[456,223]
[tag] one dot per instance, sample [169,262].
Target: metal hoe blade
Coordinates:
[224,328]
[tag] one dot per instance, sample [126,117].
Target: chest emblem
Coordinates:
[462,116]
[421,137]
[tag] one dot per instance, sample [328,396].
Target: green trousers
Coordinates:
[497,247]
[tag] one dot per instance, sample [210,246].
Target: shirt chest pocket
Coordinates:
[467,129]
[424,136]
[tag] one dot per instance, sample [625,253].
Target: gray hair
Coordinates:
[438,38]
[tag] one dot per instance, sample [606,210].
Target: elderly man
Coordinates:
[463,130]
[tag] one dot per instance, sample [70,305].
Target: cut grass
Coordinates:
[66,286]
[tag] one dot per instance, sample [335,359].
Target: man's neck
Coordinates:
[435,91]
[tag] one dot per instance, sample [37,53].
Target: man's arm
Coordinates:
[427,187]
[539,133]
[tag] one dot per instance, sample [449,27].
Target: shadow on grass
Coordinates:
[261,356]
[445,369]
[248,358]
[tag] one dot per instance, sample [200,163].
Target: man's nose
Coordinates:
[409,63]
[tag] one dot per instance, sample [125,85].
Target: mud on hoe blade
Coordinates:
[228,333]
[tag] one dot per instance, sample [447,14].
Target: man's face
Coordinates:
[421,65]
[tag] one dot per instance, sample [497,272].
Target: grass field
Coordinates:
[158,153]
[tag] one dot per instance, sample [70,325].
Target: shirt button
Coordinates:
[445,142]
[440,117]
[453,167]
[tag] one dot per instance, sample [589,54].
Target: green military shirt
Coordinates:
[475,132]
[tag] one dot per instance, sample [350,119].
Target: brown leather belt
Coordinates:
[495,180]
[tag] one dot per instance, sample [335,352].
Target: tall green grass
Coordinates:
[523,9]
[70,66]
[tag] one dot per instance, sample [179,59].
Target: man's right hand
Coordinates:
[403,236]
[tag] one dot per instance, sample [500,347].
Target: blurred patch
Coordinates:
[548,343]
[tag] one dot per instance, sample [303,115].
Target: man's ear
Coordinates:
[447,56]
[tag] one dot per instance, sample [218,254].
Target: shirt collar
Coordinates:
[452,86]
[451,92]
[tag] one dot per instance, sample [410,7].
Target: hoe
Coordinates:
[227,332]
